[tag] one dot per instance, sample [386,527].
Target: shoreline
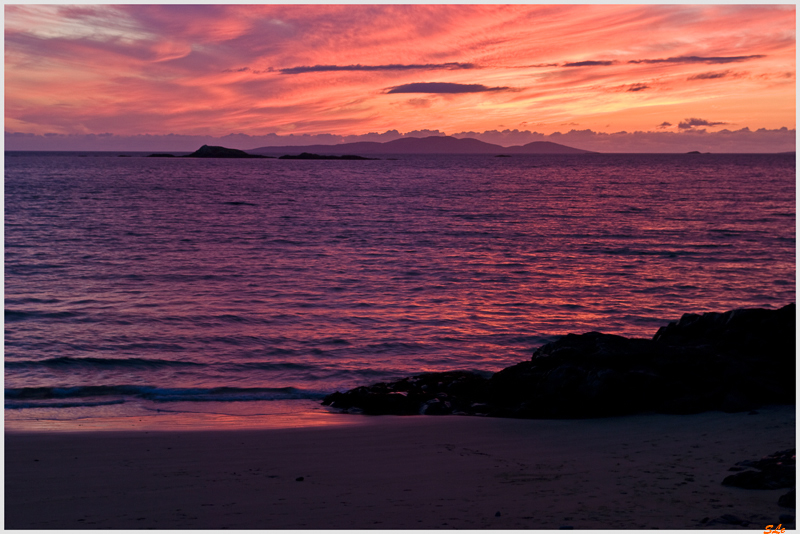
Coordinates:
[185,416]
[388,472]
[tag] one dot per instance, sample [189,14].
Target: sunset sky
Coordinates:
[214,70]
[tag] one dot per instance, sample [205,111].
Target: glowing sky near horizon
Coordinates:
[353,69]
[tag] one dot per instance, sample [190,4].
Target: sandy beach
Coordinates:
[637,472]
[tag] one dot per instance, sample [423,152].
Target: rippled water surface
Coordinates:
[167,281]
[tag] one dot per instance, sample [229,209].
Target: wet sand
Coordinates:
[636,472]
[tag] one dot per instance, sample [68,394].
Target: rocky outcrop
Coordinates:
[775,471]
[454,392]
[733,361]
[788,500]
[206,151]
[771,472]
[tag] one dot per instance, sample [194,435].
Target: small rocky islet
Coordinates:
[207,151]
[734,361]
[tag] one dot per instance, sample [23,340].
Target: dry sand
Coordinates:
[635,472]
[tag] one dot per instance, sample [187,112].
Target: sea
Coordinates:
[153,293]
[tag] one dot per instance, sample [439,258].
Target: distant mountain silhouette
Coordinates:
[424,145]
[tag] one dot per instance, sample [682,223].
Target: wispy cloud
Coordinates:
[400,67]
[419,102]
[709,75]
[637,87]
[442,87]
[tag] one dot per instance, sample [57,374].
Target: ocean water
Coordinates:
[203,290]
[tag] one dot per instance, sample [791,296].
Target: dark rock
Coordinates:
[429,393]
[772,461]
[786,518]
[299,479]
[728,519]
[749,480]
[735,401]
[787,500]
[497,514]
[733,361]
[703,362]
[161,155]
[306,155]
[579,376]
[206,151]
[773,472]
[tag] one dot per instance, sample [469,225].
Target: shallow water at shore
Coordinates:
[194,416]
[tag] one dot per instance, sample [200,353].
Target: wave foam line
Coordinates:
[23,405]
[156,394]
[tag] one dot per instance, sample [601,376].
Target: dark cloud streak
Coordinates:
[698,59]
[691,123]
[589,64]
[337,68]
[709,75]
[441,87]
[679,59]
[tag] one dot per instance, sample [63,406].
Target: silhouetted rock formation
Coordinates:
[733,361]
[306,155]
[771,472]
[429,393]
[788,500]
[206,151]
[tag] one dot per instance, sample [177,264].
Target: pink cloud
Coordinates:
[259,69]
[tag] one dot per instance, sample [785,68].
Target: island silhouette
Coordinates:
[423,145]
